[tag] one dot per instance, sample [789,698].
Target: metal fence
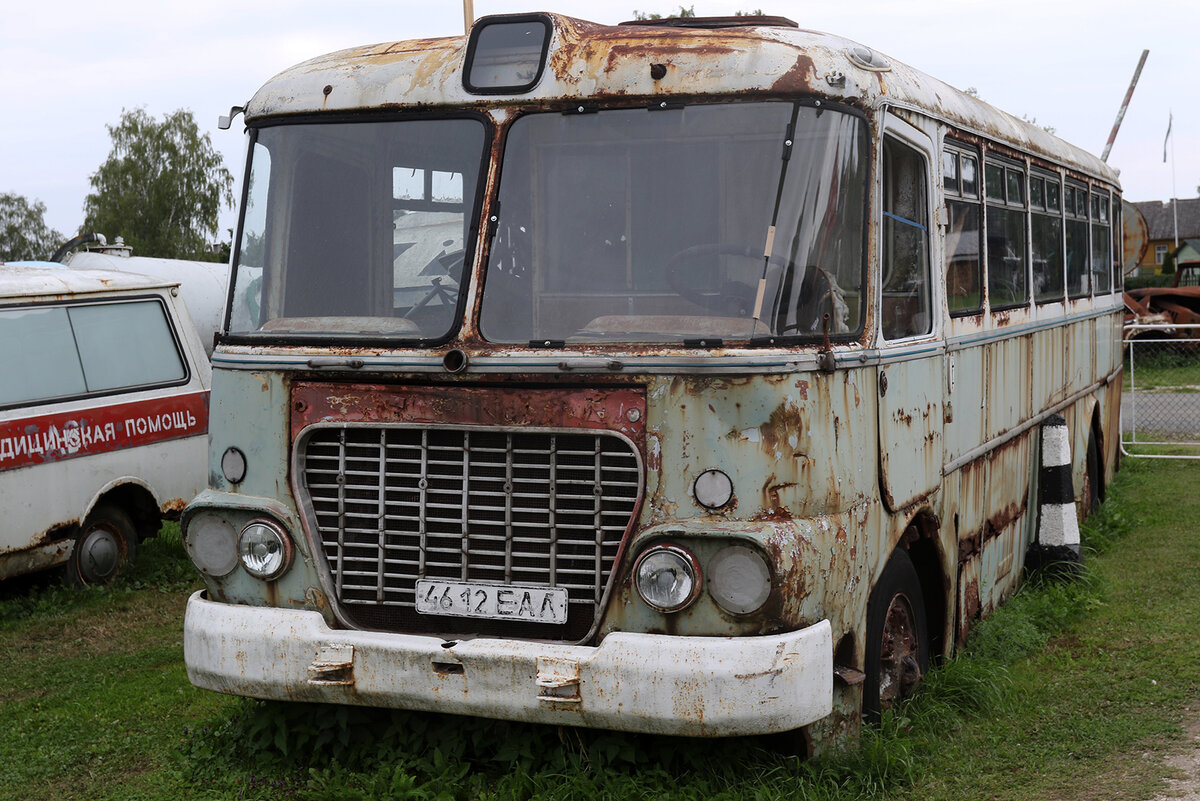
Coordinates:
[1160,406]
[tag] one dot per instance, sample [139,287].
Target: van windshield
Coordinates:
[357,230]
[704,223]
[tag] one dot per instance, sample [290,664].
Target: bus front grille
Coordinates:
[392,504]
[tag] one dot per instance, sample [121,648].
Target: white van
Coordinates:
[203,284]
[104,390]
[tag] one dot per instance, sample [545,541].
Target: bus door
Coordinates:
[910,370]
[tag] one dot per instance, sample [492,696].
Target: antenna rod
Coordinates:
[1112,137]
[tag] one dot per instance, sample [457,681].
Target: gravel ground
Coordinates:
[1187,762]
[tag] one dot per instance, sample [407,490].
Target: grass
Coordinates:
[1059,695]
[1164,367]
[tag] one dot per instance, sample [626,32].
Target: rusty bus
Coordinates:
[679,377]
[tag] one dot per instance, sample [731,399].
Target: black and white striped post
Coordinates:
[1057,542]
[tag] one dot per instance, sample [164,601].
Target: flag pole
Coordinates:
[1174,195]
[468,15]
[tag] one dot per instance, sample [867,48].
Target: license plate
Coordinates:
[492,601]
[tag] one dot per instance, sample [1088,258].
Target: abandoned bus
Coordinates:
[681,376]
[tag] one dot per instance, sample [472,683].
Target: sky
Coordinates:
[68,68]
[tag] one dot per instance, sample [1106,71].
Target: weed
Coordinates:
[1054,686]
[162,565]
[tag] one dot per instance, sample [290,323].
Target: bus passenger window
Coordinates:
[905,243]
[1118,241]
[1075,207]
[964,269]
[1006,259]
[1101,243]
[1046,222]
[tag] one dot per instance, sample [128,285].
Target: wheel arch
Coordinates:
[924,548]
[136,498]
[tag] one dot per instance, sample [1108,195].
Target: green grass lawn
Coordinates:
[1164,367]
[1069,692]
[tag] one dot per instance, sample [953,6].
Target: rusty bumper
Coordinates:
[692,686]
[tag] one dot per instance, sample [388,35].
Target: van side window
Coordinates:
[39,359]
[125,345]
[905,243]
[75,350]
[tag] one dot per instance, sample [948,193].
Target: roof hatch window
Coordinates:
[506,54]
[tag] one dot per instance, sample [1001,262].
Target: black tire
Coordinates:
[897,647]
[105,546]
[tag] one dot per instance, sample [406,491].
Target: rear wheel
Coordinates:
[106,544]
[897,648]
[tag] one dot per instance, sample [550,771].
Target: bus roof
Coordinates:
[601,62]
[25,281]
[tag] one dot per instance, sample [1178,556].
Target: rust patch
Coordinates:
[771,499]
[969,546]
[971,607]
[614,409]
[799,78]
[174,506]
[781,433]
[1002,519]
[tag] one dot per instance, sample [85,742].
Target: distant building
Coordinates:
[1161,221]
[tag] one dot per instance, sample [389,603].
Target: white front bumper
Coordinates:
[663,684]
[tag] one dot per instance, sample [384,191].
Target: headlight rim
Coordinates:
[690,562]
[288,549]
[193,552]
[711,572]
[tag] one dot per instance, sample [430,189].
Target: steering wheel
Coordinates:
[735,299]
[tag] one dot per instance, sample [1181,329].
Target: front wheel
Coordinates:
[106,544]
[897,648]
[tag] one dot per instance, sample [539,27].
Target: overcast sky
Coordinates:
[67,69]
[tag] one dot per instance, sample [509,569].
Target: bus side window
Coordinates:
[904,243]
[964,267]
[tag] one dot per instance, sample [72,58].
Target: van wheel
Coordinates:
[107,542]
[897,648]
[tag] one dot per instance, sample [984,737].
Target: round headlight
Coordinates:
[667,577]
[739,579]
[713,489]
[211,544]
[264,549]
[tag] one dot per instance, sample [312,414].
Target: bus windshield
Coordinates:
[699,224]
[357,229]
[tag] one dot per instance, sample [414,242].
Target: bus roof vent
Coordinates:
[868,59]
[715,22]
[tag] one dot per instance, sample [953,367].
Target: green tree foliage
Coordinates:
[162,187]
[683,12]
[23,230]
